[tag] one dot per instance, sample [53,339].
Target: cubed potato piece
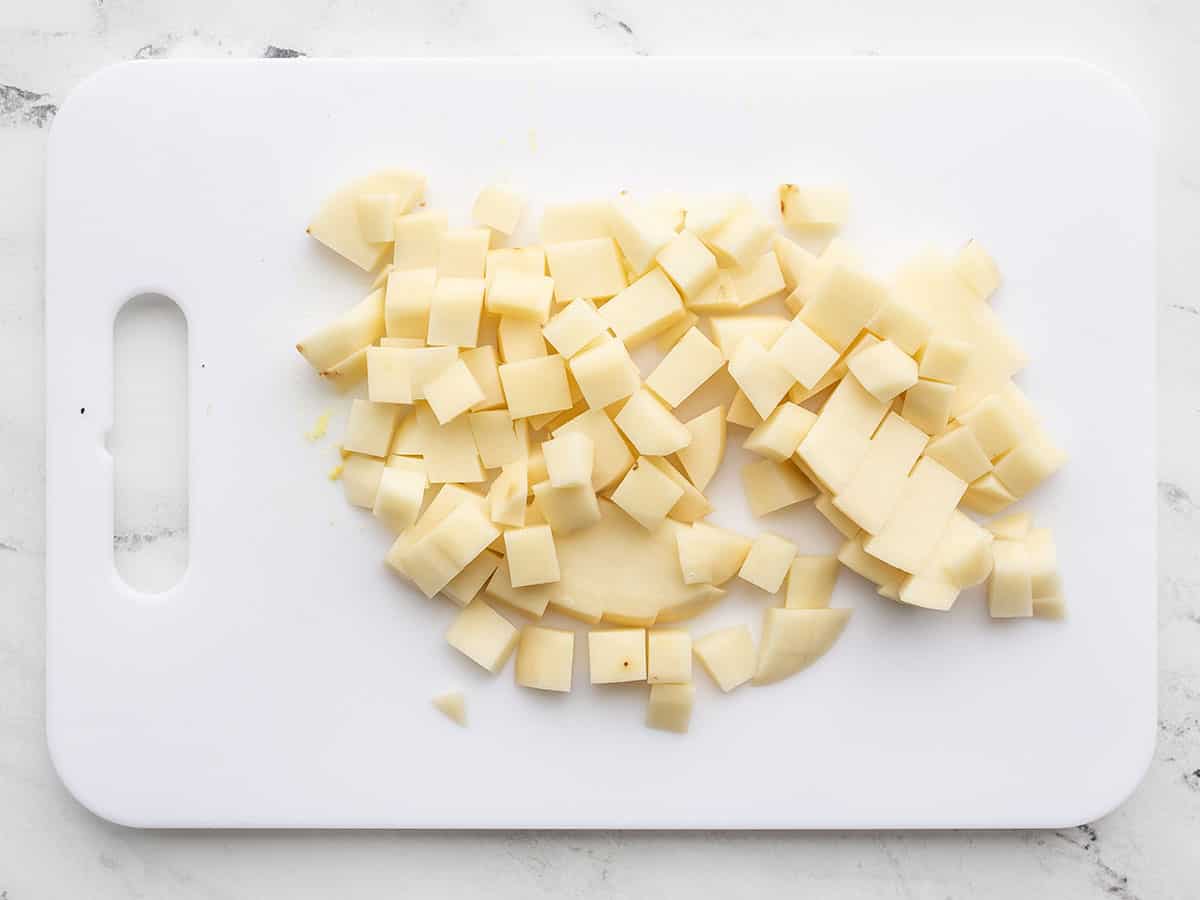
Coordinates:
[531,556]
[526,260]
[399,497]
[532,600]
[498,207]
[407,343]
[927,405]
[408,440]
[793,639]
[650,427]
[665,341]
[767,563]
[727,655]
[648,306]
[959,451]
[483,636]
[884,370]
[452,392]
[863,342]
[381,276]
[987,495]
[770,486]
[495,438]
[685,368]
[406,305]
[729,331]
[640,234]
[617,656]
[520,296]
[994,425]
[360,479]
[647,495]
[567,509]
[418,239]
[801,269]
[702,457]
[668,657]
[718,297]
[485,370]
[545,658]
[670,707]
[964,555]
[570,459]
[571,329]
[455,310]
[818,207]
[462,253]
[741,239]
[358,327]
[356,221]
[758,280]
[944,359]
[742,413]
[519,340]
[579,221]
[760,376]
[588,268]
[370,427]
[535,386]
[780,433]
[1043,562]
[709,554]
[432,561]
[904,326]
[810,582]
[927,593]
[839,439]
[842,305]
[611,456]
[400,374]
[839,520]
[803,354]
[975,266]
[708,212]
[466,585]
[1028,464]
[1012,527]
[919,518]
[449,450]
[692,505]
[605,374]
[452,705]
[689,264]
[1010,590]
[860,562]
[506,497]
[871,495]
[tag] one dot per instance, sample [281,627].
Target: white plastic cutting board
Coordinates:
[286,681]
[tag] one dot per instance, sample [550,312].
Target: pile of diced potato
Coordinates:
[511,443]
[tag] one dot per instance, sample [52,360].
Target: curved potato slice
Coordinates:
[702,457]
[336,223]
[793,639]
[632,574]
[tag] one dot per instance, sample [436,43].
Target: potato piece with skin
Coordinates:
[453,706]
[570,460]
[520,296]
[778,436]
[1010,590]
[349,372]
[498,207]
[670,707]
[535,386]
[358,327]
[685,368]
[399,497]
[761,377]
[959,451]
[702,457]
[793,639]
[648,306]
[617,656]
[709,554]
[611,456]
[647,495]
[452,392]
[668,657]
[406,304]
[337,224]
[692,505]
[767,563]
[360,479]
[588,268]
[605,374]
[567,509]
[418,239]
[927,405]
[727,655]
[506,497]
[944,359]
[770,486]
[370,427]
[483,636]
[802,352]
[821,207]
[810,582]
[571,329]
[545,658]
[689,264]
[531,556]
[650,427]
[987,496]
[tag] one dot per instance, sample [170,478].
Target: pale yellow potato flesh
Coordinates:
[793,639]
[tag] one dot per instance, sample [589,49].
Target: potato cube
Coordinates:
[702,457]
[640,234]
[803,354]
[399,496]
[768,562]
[455,310]
[498,207]
[526,260]
[545,658]
[409,296]
[370,427]
[360,479]
[858,560]
[761,377]
[580,221]
[813,207]
[959,451]
[842,305]
[567,509]
[1013,527]
[685,368]
[481,361]
[800,269]
[507,495]
[570,459]
[919,518]
[718,296]
[770,485]
[689,264]
[670,707]
[358,327]
[987,495]
[449,450]
[466,585]
[742,413]
[727,655]
[531,600]
[535,386]
[617,656]
[692,505]
[706,213]
[639,312]
[519,340]
[418,237]
[884,370]
[647,495]
[495,438]
[453,706]
[531,556]
[520,296]
[927,405]
[1043,563]
[462,253]
[452,392]
[611,456]
[900,323]
[758,280]
[571,329]
[780,433]
[976,267]
[709,554]
[668,657]
[1028,464]
[483,636]
[741,238]
[388,378]
[838,519]
[839,439]
[1010,591]
[457,539]
[810,582]
[650,427]
[338,225]
[945,359]
[377,216]
[872,493]
[964,554]
[605,374]
[408,440]
[588,268]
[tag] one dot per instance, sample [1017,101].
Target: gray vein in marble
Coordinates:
[21,105]
[1185,308]
[273,52]
[1176,498]
[603,21]
[1112,881]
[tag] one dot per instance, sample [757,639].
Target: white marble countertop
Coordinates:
[51,847]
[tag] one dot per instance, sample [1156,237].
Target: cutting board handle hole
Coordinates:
[149,443]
